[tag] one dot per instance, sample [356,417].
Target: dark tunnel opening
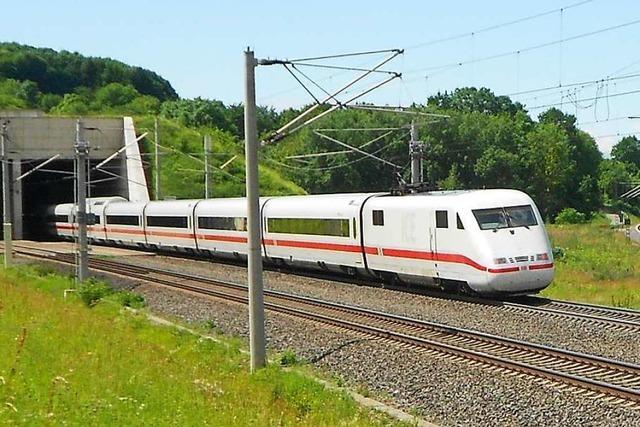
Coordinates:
[55,184]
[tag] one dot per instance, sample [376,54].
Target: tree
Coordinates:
[627,150]
[612,173]
[72,103]
[115,94]
[499,168]
[471,99]
[550,168]
[586,156]
[61,72]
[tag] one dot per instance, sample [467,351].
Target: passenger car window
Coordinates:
[167,221]
[233,223]
[459,222]
[378,217]
[122,220]
[442,219]
[314,226]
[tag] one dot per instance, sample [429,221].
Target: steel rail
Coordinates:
[615,318]
[566,367]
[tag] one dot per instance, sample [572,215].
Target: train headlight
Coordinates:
[499,260]
[542,257]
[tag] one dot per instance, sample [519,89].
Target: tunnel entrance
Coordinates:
[30,138]
[55,185]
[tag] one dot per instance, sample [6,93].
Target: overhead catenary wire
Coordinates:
[356,149]
[615,95]
[444,67]
[330,153]
[315,84]
[301,84]
[280,133]
[333,167]
[569,85]
[201,161]
[497,26]
[344,55]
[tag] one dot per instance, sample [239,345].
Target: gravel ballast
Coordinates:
[442,391]
[561,333]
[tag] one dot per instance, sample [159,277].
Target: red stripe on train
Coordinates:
[396,253]
[540,266]
[430,256]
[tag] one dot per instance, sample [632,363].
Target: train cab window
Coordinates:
[378,217]
[459,222]
[167,221]
[123,220]
[442,219]
[511,216]
[231,223]
[338,227]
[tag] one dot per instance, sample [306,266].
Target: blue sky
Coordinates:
[198,45]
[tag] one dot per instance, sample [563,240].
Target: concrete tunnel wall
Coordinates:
[34,138]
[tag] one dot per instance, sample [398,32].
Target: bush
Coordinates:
[93,291]
[570,216]
[288,358]
[558,253]
[130,299]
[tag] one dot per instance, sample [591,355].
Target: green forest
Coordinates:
[487,141]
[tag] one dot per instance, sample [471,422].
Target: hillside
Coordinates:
[59,73]
[69,84]
[485,140]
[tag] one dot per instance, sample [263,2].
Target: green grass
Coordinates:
[183,176]
[64,362]
[600,265]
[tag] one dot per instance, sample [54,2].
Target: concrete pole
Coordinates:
[257,342]
[82,148]
[6,201]
[208,181]
[415,153]
[156,159]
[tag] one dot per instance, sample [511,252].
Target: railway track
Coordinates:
[611,317]
[596,377]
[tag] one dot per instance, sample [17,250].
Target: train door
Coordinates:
[440,233]
[432,240]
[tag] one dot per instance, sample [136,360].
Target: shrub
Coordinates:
[570,216]
[558,253]
[93,291]
[130,299]
[288,358]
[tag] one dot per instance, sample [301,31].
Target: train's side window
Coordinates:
[378,217]
[123,220]
[442,219]
[167,221]
[459,222]
[315,226]
[355,230]
[230,223]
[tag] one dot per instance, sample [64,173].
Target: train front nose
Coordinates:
[521,278]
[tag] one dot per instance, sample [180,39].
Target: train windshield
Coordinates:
[510,216]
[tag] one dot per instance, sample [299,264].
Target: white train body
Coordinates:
[491,241]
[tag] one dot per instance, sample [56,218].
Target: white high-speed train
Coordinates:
[487,241]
